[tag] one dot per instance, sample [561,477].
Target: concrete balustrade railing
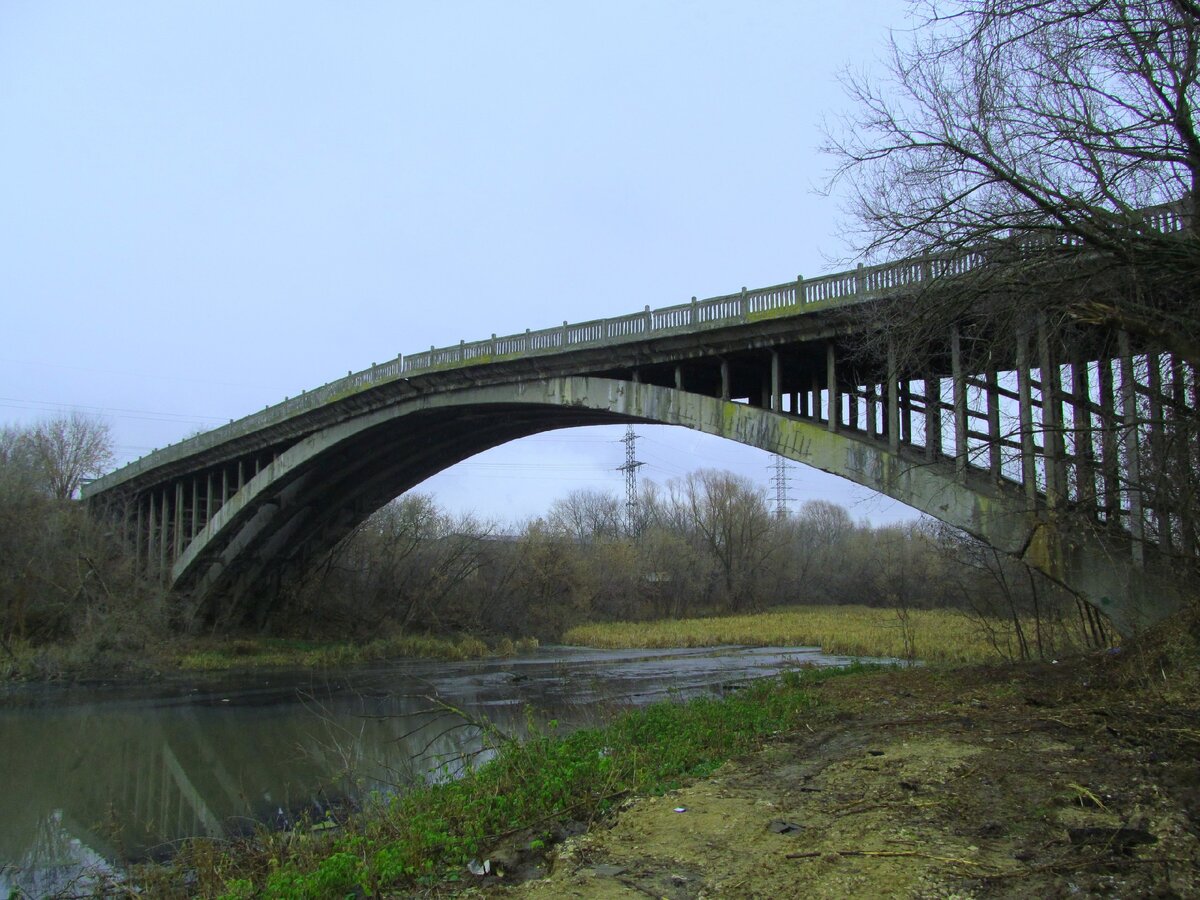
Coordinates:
[792,298]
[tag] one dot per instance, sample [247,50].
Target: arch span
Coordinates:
[314,493]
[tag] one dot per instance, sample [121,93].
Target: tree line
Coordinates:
[705,544]
[1043,125]
[708,543]
[64,576]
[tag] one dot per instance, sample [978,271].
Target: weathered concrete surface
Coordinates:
[320,488]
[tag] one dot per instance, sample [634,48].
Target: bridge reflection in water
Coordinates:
[100,775]
[102,779]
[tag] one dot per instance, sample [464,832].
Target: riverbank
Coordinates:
[1032,780]
[1015,780]
[530,796]
[938,635]
[83,661]
[932,635]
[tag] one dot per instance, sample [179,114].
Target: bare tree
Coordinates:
[404,567]
[586,514]
[1043,126]
[65,576]
[552,580]
[18,469]
[67,449]
[732,522]
[1042,157]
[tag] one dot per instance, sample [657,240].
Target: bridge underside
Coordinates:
[310,495]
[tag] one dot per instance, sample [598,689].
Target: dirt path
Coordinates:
[1038,781]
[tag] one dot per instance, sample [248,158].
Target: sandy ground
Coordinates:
[1077,779]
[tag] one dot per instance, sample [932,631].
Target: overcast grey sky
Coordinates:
[205,207]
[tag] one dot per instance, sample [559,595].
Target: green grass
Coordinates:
[430,834]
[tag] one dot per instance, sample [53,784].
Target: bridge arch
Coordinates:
[318,490]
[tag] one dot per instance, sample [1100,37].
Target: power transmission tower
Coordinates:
[630,469]
[780,480]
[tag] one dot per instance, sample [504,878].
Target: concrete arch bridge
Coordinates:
[1036,450]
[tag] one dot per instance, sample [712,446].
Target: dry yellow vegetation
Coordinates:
[935,635]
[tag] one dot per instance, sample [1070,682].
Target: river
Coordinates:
[94,776]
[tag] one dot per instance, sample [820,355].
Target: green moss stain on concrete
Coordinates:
[780,312]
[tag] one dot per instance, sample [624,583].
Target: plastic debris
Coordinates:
[681,809]
[782,826]
[475,867]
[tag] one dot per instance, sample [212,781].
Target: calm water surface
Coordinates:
[94,776]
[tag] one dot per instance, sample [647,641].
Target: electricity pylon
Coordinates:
[630,469]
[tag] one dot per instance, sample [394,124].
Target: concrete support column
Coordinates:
[195,509]
[1085,453]
[831,388]
[995,457]
[960,404]
[678,377]
[151,534]
[1133,458]
[139,536]
[1158,513]
[1052,436]
[725,380]
[208,500]
[892,420]
[163,530]
[933,419]
[1183,440]
[177,543]
[1110,454]
[1025,417]
[776,383]
[872,409]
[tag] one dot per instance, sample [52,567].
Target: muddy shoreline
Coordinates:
[1069,779]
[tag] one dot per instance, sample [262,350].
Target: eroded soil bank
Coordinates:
[1045,780]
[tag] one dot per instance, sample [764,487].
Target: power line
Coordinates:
[114,411]
[141,376]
